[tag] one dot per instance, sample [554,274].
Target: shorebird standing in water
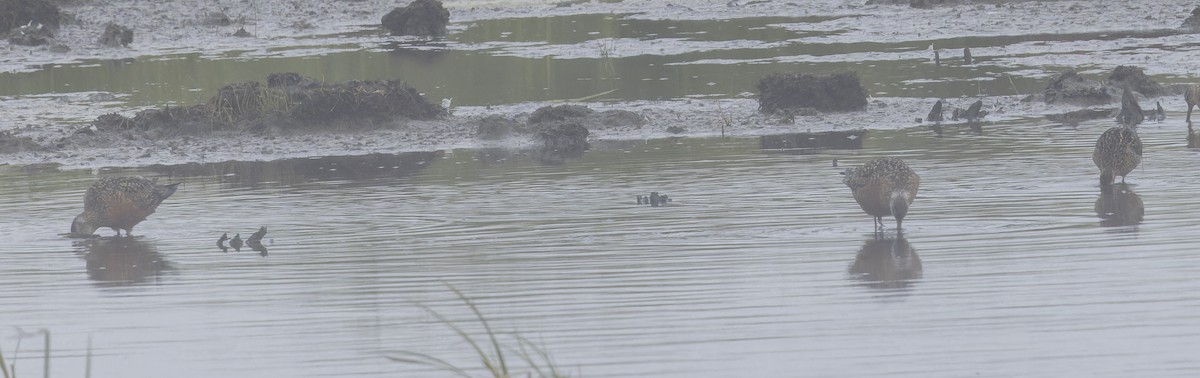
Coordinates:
[119,203]
[1118,151]
[882,187]
[1191,95]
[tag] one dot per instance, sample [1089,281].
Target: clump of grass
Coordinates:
[726,119]
[492,356]
[607,47]
[248,101]
[10,370]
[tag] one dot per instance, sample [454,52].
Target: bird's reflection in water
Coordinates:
[123,260]
[257,246]
[1193,139]
[886,264]
[1120,206]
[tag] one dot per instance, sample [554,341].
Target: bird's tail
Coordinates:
[899,204]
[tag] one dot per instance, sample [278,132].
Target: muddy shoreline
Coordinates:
[44,125]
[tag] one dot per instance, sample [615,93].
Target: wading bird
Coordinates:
[882,187]
[119,203]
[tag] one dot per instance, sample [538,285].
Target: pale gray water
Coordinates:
[1013,263]
[763,265]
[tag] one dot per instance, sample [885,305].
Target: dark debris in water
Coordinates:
[655,199]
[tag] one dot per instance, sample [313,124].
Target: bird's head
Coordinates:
[82,227]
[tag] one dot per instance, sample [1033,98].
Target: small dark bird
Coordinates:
[257,246]
[1118,151]
[974,112]
[221,241]
[119,203]
[257,235]
[882,187]
[236,243]
[935,114]
[1131,112]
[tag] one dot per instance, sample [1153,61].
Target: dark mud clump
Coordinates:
[496,127]
[1192,23]
[563,136]
[30,35]
[18,13]
[160,123]
[621,118]
[559,113]
[116,35]
[370,99]
[591,119]
[1134,78]
[288,101]
[793,91]
[422,18]
[560,140]
[561,129]
[1070,88]
[10,143]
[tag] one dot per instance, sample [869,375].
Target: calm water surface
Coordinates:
[1013,263]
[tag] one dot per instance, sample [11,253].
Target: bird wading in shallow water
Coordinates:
[119,203]
[882,187]
[1118,151]
[1191,95]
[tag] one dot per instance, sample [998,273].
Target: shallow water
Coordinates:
[1012,262]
